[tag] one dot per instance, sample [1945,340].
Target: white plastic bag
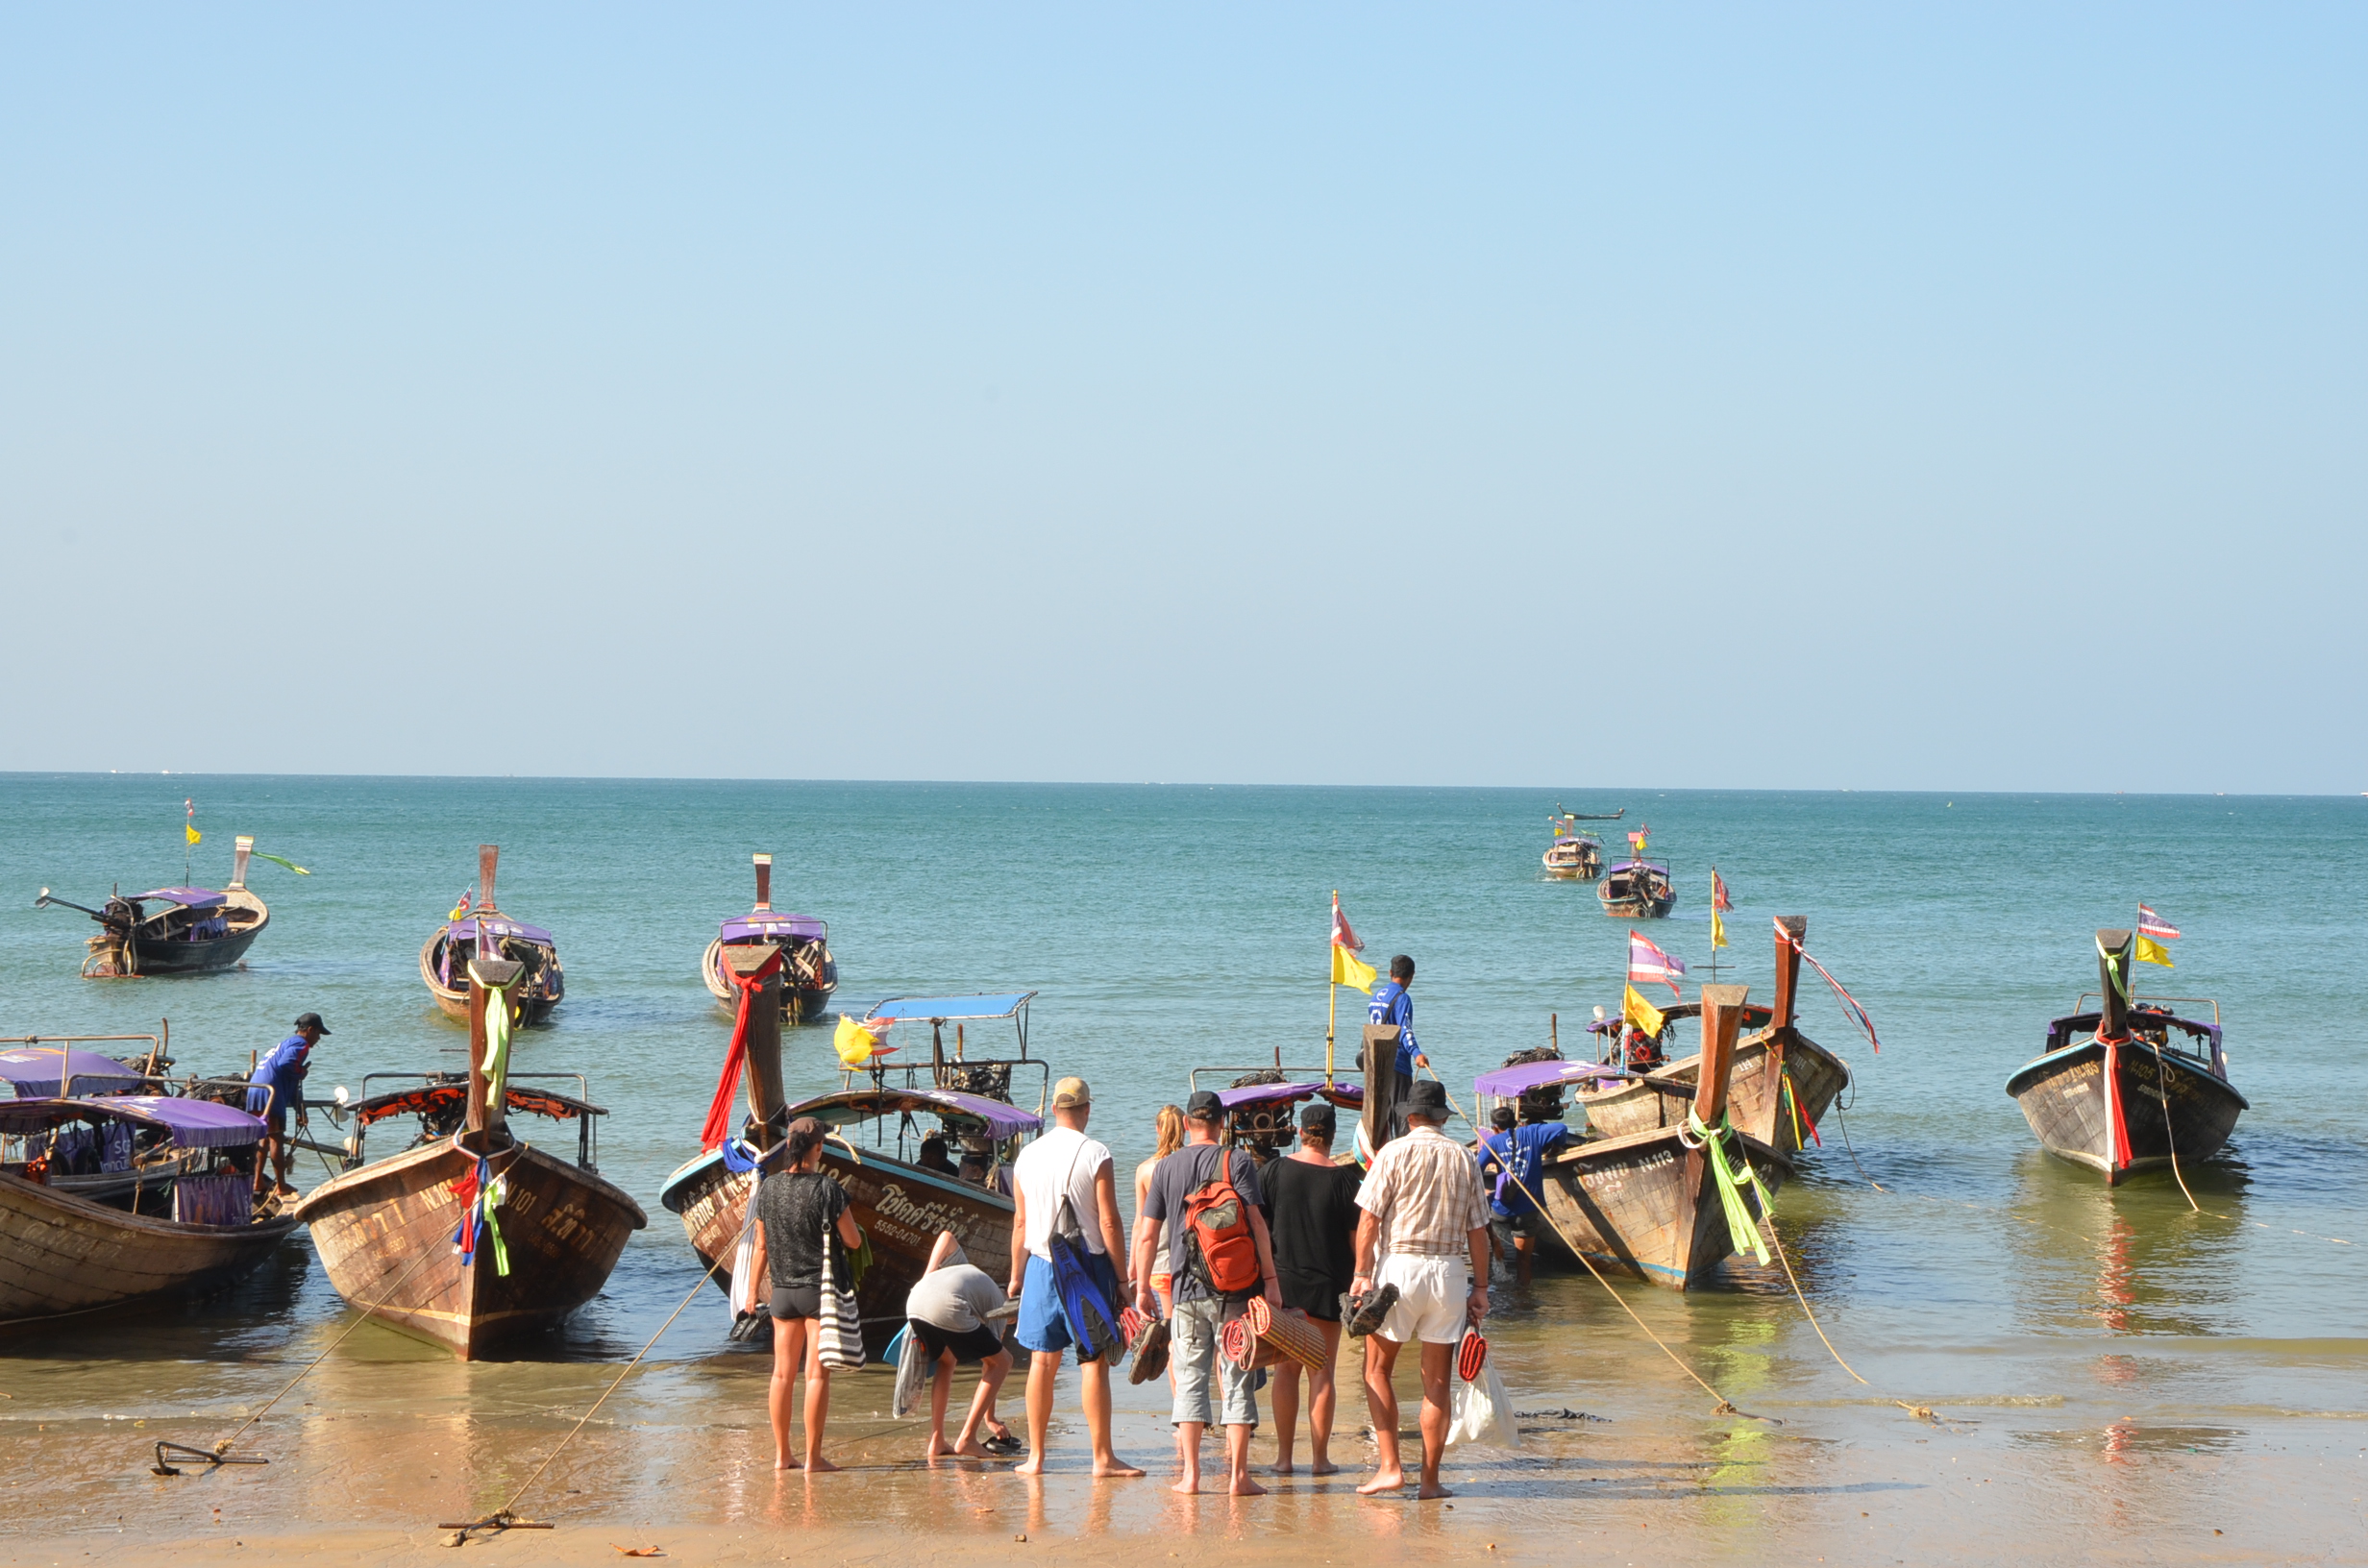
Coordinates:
[747,1294]
[1480,1411]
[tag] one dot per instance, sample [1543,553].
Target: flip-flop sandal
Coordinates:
[1002,1447]
[1362,1315]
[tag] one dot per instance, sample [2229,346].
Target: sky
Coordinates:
[1936,397]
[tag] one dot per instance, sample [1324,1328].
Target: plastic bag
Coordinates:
[910,1357]
[1480,1411]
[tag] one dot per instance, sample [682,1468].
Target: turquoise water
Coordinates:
[1168,927]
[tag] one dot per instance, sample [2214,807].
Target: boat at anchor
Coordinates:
[173,931]
[810,975]
[483,931]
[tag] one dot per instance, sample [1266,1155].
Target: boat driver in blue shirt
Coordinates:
[1392,1005]
[278,1083]
[1512,1163]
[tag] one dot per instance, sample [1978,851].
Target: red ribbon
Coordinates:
[736,1055]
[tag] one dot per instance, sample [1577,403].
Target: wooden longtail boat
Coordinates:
[1574,856]
[1637,890]
[2131,1086]
[812,974]
[192,930]
[899,1205]
[1648,1203]
[185,1232]
[486,932]
[1261,1106]
[1782,1081]
[542,1247]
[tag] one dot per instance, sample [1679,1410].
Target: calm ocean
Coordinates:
[1165,928]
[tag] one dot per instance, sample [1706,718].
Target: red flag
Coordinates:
[1342,934]
[1718,892]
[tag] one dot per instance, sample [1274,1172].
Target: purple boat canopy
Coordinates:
[966,1111]
[1642,865]
[754,927]
[1508,1083]
[45,1070]
[194,1124]
[1233,1099]
[186,897]
[477,927]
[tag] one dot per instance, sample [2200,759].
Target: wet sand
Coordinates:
[1844,1483]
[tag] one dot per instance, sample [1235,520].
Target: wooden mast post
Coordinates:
[764,884]
[485,1116]
[765,1098]
[1722,1013]
[2113,1029]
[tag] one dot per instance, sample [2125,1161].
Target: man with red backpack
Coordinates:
[1218,1257]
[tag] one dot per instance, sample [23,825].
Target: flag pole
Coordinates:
[1331,991]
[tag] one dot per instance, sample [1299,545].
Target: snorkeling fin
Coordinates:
[1093,1321]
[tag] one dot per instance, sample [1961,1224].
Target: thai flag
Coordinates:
[1342,936]
[1648,963]
[2152,924]
[1637,840]
[1718,892]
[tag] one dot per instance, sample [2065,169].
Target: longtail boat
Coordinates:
[1637,890]
[1261,1106]
[1574,856]
[899,1204]
[810,973]
[190,930]
[176,1234]
[2131,1086]
[483,931]
[1652,1203]
[473,1236]
[104,1163]
[1782,1081]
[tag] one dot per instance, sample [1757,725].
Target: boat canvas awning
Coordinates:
[186,897]
[754,927]
[478,927]
[978,1005]
[194,1124]
[965,1111]
[1509,1083]
[1640,865]
[46,1070]
[1233,1099]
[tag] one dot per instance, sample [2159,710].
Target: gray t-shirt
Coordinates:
[956,1298]
[1172,1182]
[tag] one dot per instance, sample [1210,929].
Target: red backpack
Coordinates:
[1225,1249]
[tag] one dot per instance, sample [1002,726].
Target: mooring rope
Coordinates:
[2162,1092]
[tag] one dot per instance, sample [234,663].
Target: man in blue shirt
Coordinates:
[1392,1005]
[278,1083]
[1512,1164]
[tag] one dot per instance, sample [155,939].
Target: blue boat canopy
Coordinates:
[982,1004]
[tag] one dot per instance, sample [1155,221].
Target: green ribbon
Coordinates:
[496,1193]
[1742,1232]
[279,860]
[497,1046]
[2112,970]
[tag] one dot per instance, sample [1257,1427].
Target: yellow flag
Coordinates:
[855,1044]
[1641,1013]
[2150,952]
[193,833]
[1348,969]
[1718,928]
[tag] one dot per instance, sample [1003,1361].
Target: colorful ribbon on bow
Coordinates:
[482,1192]
[1741,1229]
[717,1125]
[1850,1003]
[496,1064]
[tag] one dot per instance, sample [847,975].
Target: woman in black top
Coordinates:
[796,1211]
[1313,1204]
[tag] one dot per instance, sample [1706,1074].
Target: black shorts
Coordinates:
[1314,1294]
[794,1301]
[970,1347]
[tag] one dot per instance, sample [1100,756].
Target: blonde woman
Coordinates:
[1170,1131]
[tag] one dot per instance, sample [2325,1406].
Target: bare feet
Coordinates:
[819,1466]
[1323,1467]
[783,1461]
[971,1450]
[1244,1486]
[1281,1467]
[1384,1481]
[1431,1489]
[1114,1468]
[1188,1483]
[1032,1465]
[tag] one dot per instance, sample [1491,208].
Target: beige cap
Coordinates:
[1070,1094]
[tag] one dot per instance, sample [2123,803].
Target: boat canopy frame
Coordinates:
[578,1108]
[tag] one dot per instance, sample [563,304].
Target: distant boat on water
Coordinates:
[811,974]
[188,930]
[482,931]
[1575,856]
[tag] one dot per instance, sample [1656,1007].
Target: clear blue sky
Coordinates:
[1881,397]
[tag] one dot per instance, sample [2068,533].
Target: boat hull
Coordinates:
[1755,1095]
[60,1254]
[900,1208]
[533,1007]
[1645,1204]
[799,1003]
[563,1228]
[2064,1096]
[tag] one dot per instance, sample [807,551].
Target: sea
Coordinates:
[1955,1283]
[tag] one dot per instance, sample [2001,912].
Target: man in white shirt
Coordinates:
[1064,1164]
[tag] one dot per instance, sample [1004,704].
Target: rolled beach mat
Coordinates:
[1471,1355]
[1262,1336]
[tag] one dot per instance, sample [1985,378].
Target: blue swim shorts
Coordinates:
[1042,1325]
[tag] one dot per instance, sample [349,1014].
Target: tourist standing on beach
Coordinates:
[1312,1203]
[797,1211]
[1187,1193]
[1422,1205]
[278,1084]
[1064,1164]
[1167,1134]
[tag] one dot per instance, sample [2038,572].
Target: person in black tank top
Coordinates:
[1312,1215]
[797,1210]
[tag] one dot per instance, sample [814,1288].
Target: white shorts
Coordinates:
[1433,1297]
